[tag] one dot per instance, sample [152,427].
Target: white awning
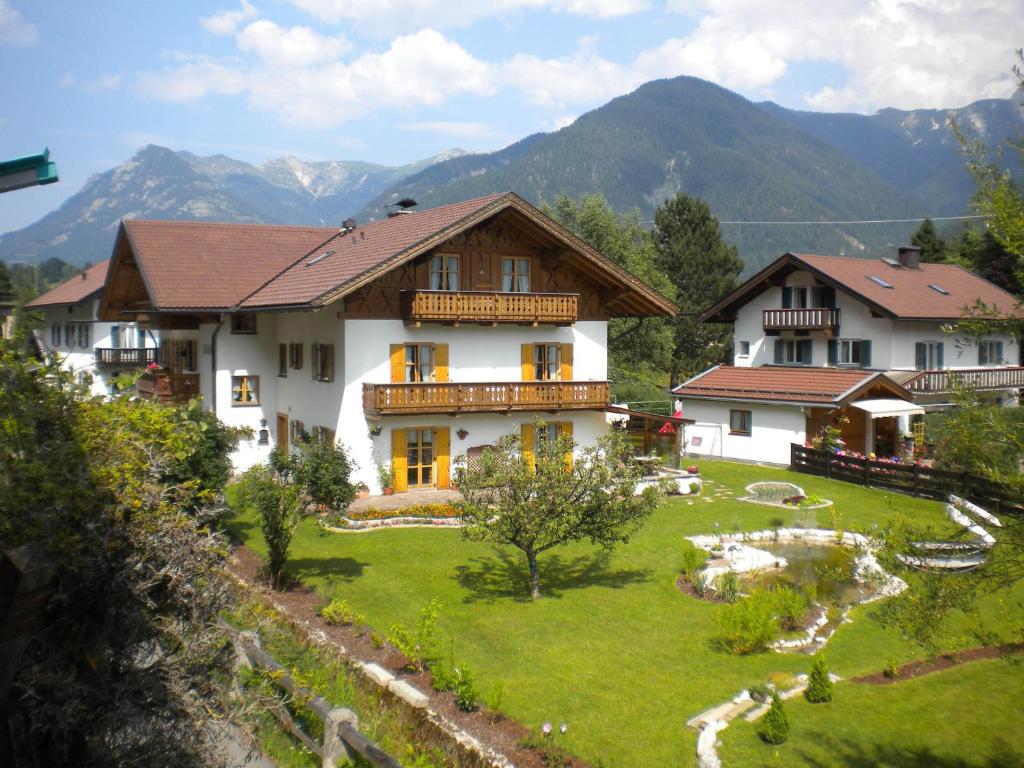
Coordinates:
[881,407]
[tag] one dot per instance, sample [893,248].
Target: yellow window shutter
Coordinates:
[565,428]
[566,372]
[528,441]
[442,445]
[529,371]
[399,459]
[397,363]
[440,362]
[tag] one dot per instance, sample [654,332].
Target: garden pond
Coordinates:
[824,574]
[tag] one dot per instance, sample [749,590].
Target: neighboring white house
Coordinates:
[87,347]
[413,340]
[804,317]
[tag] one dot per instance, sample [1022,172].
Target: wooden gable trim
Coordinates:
[120,280]
[773,275]
[879,381]
[652,302]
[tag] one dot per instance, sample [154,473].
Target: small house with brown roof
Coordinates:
[810,320]
[89,348]
[413,340]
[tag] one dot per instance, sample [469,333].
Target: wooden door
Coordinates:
[282,431]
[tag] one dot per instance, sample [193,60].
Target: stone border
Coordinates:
[364,526]
[380,677]
[825,503]
[865,566]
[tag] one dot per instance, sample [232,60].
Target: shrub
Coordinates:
[323,469]
[337,612]
[819,684]
[892,669]
[466,695]
[790,607]
[728,587]
[402,639]
[694,489]
[377,640]
[774,727]
[426,628]
[444,677]
[749,625]
[495,699]
[759,691]
[694,560]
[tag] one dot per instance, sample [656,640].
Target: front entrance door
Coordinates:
[282,431]
[420,458]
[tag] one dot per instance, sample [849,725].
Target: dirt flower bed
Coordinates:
[946,661]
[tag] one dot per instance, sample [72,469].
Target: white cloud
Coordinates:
[289,47]
[423,69]
[105,83]
[562,121]
[898,53]
[66,80]
[14,30]
[390,16]
[226,22]
[462,130]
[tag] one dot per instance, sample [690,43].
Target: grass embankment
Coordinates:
[614,649]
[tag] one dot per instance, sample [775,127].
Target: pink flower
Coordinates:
[546,729]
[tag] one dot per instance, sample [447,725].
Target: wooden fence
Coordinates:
[908,478]
[342,740]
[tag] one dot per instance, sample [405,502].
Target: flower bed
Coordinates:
[443,511]
[414,515]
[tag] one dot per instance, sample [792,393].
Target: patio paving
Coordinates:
[406,499]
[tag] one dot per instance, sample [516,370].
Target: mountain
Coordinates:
[750,162]
[158,183]
[914,150]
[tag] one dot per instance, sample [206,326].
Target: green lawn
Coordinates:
[613,648]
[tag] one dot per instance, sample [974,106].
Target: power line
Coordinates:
[859,221]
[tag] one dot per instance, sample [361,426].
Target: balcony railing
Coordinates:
[978,378]
[489,307]
[168,387]
[127,356]
[388,399]
[812,319]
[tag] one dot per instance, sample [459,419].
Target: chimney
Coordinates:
[348,225]
[402,206]
[910,256]
[83,275]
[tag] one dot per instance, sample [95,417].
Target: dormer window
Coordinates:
[444,272]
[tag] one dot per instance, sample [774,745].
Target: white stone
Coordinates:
[378,674]
[408,694]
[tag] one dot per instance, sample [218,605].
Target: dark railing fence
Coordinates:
[909,478]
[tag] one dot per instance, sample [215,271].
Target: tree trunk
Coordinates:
[534,575]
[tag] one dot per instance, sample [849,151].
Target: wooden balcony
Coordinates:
[168,387]
[129,356]
[392,399]
[812,319]
[489,307]
[981,379]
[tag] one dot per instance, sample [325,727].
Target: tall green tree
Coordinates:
[933,247]
[979,251]
[6,287]
[690,250]
[639,349]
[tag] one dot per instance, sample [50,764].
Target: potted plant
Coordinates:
[362,491]
[386,478]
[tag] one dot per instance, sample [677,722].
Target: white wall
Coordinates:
[80,360]
[773,429]
[892,341]
[475,353]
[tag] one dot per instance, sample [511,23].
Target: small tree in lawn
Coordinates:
[819,684]
[537,497]
[774,728]
[322,470]
[281,508]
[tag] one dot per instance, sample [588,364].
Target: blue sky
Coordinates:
[392,81]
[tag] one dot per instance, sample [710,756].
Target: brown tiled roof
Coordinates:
[354,253]
[77,289]
[823,386]
[200,265]
[911,296]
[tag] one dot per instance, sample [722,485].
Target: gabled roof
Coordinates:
[911,296]
[790,385]
[192,266]
[83,286]
[201,265]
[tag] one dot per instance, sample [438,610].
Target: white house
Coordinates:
[804,319]
[86,346]
[412,340]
